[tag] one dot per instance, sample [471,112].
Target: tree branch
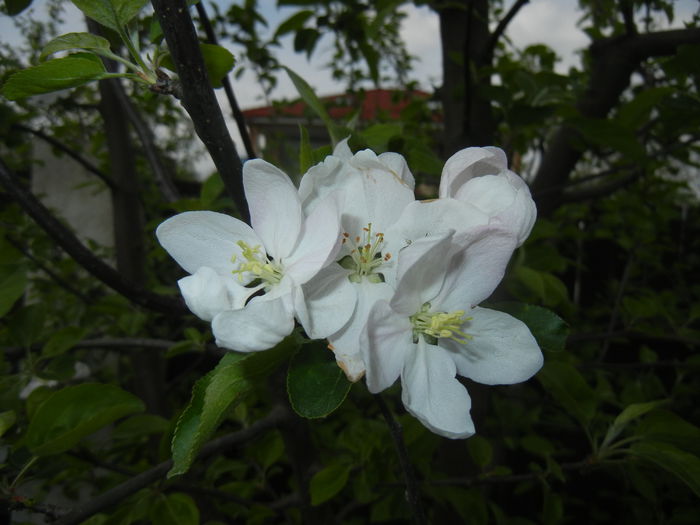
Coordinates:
[412,489]
[132,485]
[84,257]
[613,62]
[235,109]
[502,26]
[163,178]
[60,281]
[68,151]
[198,97]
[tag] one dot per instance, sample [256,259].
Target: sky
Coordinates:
[551,22]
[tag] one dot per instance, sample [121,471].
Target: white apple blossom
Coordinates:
[373,192]
[247,281]
[432,329]
[480,177]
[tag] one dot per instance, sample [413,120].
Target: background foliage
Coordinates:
[115,406]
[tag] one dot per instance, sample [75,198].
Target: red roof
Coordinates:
[374,102]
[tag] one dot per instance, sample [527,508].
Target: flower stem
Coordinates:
[412,491]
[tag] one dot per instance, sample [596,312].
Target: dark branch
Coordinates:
[486,479]
[163,178]
[627,10]
[613,62]
[84,257]
[132,485]
[602,190]
[412,489]
[198,97]
[68,151]
[60,281]
[235,109]
[502,26]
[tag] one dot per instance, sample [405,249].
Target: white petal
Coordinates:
[398,166]
[207,293]
[422,219]
[275,210]
[342,150]
[259,326]
[505,198]
[346,343]
[502,351]
[321,179]
[205,238]
[421,272]
[475,272]
[384,344]
[467,164]
[319,242]
[329,301]
[432,393]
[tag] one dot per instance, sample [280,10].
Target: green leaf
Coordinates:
[683,465]
[662,425]
[548,328]
[308,95]
[174,509]
[630,413]
[213,395]
[480,450]
[74,412]
[54,75]
[378,136]
[62,340]
[15,7]
[327,482]
[7,419]
[114,14]
[211,189]
[74,41]
[13,281]
[315,383]
[306,154]
[218,61]
[293,23]
[569,388]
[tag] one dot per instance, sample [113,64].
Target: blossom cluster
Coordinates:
[393,283]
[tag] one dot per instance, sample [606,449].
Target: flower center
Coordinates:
[257,263]
[365,256]
[432,325]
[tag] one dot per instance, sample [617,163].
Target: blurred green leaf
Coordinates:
[74,412]
[683,465]
[569,388]
[306,155]
[62,340]
[7,419]
[667,427]
[174,509]
[54,75]
[15,7]
[327,482]
[212,188]
[71,41]
[307,94]
[293,23]
[315,383]
[213,395]
[480,450]
[630,413]
[218,62]
[13,281]
[114,14]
